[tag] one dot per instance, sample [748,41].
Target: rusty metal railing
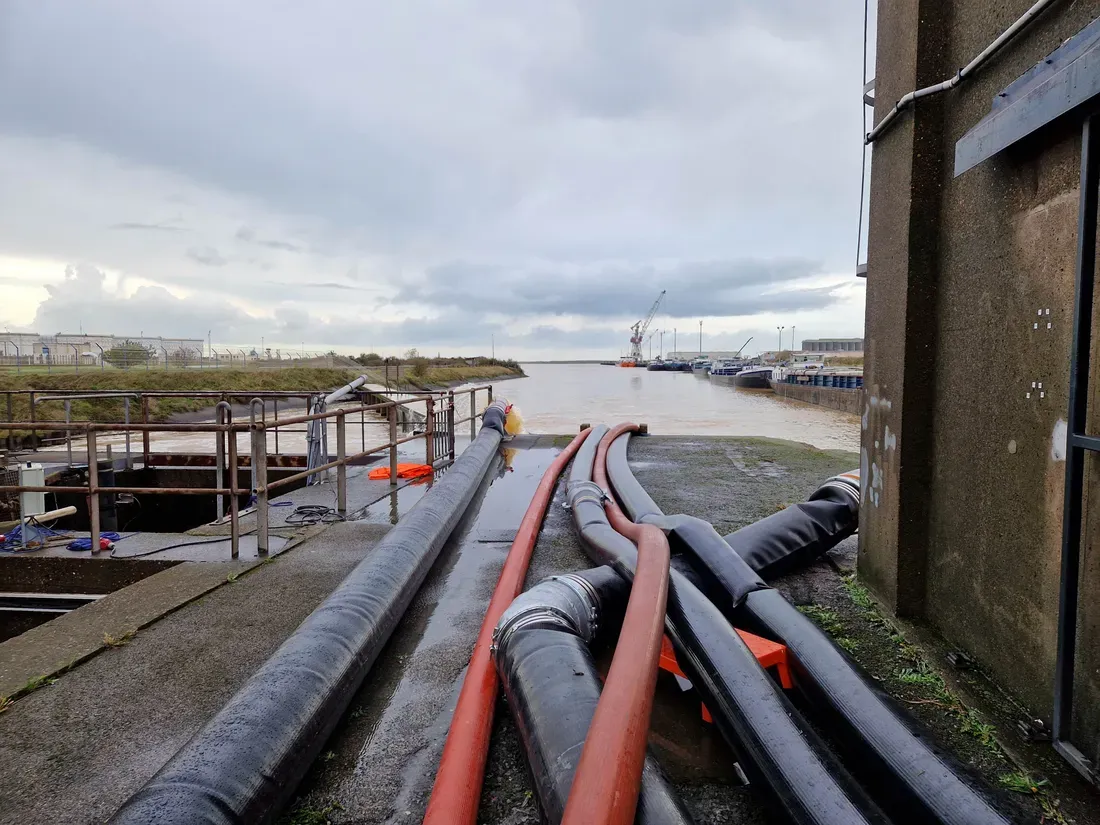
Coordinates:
[439,436]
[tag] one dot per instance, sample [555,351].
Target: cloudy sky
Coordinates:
[431,173]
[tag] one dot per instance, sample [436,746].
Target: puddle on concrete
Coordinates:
[386,752]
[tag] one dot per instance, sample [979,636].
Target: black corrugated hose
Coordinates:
[774,746]
[914,781]
[541,649]
[247,762]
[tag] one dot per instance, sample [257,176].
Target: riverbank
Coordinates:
[220,380]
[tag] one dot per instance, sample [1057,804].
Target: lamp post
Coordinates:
[780,340]
[793,347]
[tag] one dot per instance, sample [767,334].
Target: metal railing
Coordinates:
[439,432]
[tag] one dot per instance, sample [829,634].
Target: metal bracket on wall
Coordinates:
[1077,442]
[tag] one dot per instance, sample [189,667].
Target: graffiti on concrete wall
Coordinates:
[876,430]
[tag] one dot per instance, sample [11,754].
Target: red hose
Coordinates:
[457,789]
[609,774]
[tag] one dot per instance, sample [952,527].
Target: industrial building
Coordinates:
[979,511]
[848,346]
[69,348]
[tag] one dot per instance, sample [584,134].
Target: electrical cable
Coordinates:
[863,127]
[307,514]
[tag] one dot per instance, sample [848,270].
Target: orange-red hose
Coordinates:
[609,774]
[457,789]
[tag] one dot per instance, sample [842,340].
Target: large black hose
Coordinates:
[773,546]
[248,760]
[800,533]
[913,781]
[774,746]
[541,649]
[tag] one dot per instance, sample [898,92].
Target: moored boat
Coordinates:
[754,378]
[723,372]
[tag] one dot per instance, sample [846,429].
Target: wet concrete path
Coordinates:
[381,764]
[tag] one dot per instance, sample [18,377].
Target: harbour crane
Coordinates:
[744,345]
[638,331]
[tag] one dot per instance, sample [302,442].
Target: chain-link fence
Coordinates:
[135,356]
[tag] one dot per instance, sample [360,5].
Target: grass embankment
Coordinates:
[222,380]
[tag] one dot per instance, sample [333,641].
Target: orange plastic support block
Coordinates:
[767,652]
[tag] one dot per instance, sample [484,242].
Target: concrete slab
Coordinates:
[75,750]
[60,644]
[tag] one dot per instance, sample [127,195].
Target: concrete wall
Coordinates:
[849,401]
[963,470]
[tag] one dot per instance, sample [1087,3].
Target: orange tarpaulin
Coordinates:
[403,471]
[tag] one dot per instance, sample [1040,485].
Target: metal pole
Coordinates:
[259,453]
[256,404]
[342,468]
[234,505]
[473,415]
[11,436]
[93,486]
[490,391]
[362,424]
[1072,511]
[276,426]
[76,349]
[145,432]
[68,432]
[429,433]
[393,445]
[126,420]
[450,425]
[221,411]
[34,432]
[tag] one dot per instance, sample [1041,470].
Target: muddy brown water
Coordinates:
[556,398]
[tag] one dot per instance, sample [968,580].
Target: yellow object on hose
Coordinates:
[513,421]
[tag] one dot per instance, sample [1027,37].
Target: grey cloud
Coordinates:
[152,227]
[82,296]
[207,256]
[694,289]
[288,247]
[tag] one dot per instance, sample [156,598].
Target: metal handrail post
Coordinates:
[68,432]
[259,452]
[126,420]
[93,491]
[222,411]
[489,388]
[254,404]
[393,445]
[342,468]
[429,432]
[473,414]
[34,432]
[451,424]
[11,435]
[145,432]
[276,426]
[234,505]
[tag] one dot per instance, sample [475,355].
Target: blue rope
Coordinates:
[86,544]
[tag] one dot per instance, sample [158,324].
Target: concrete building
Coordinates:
[974,241]
[847,346]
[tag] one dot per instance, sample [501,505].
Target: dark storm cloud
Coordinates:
[693,289]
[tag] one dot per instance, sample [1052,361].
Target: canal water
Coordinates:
[556,398]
